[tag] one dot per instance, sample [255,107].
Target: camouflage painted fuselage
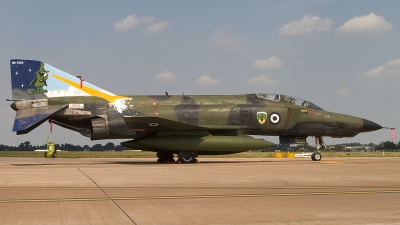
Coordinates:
[219,114]
[170,123]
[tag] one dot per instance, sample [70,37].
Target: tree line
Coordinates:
[384,145]
[27,146]
[381,145]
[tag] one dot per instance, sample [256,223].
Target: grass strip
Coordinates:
[143,154]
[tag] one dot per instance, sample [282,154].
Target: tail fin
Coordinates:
[33,82]
[31,79]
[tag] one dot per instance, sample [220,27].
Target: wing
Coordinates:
[147,125]
[160,134]
[158,124]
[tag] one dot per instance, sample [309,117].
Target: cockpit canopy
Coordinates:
[290,100]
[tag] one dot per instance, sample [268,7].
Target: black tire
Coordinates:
[164,157]
[316,156]
[187,159]
[45,154]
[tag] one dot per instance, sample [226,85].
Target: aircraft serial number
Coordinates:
[17,62]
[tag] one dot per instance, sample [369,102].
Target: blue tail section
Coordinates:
[24,77]
[33,82]
[32,79]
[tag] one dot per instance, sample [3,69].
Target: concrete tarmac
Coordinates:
[216,191]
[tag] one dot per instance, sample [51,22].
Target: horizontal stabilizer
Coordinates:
[28,119]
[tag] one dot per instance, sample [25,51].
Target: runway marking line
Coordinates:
[197,187]
[332,162]
[199,196]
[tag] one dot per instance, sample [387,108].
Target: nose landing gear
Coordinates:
[316,156]
[319,142]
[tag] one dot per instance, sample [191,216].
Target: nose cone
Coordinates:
[370,126]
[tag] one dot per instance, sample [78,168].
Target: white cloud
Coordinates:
[384,71]
[367,24]
[148,19]
[270,63]
[374,72]
[264,80]
[393,63]
[165,77]
[131,21]
[308,24]
[207,80]
[344,92]
[157,27]
[127,23]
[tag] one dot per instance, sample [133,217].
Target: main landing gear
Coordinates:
[319,142]
[183,157]
[187,160]
[187,157]
[164,157]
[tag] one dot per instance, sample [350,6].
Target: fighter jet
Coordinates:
[185,125]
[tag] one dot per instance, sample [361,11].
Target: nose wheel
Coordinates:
[316,156]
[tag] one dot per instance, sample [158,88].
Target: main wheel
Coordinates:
[187,159]
[316,156]
[164,157]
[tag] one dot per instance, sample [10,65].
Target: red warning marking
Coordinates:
[80,79]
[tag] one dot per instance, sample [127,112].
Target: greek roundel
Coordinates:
[275,118]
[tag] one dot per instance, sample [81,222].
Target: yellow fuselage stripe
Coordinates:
[90,91]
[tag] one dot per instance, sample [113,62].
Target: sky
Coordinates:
[341,55]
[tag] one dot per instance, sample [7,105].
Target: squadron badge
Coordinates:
[304,111]
[261,117]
